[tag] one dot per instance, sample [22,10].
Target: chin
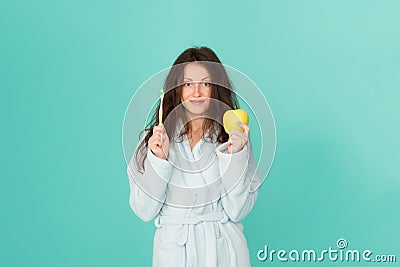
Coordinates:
[196,112]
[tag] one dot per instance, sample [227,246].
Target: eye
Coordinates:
[188,84]
[207,84]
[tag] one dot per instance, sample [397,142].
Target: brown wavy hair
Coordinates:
[221,90]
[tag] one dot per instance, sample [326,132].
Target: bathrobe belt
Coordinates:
[188,237]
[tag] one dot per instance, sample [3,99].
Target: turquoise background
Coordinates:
[329,69]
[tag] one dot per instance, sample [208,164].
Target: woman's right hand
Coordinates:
[159,142]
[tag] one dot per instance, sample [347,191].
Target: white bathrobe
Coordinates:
[197,199]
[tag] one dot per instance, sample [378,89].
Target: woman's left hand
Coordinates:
[237,138]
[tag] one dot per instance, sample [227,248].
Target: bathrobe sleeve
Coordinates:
[240,181]
[147,190]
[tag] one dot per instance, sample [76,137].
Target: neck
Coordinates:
[196,125]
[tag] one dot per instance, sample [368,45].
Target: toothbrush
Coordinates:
[160,111]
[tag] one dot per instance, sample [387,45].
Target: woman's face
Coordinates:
[196,90]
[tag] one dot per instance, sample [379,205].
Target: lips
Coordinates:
[197,101]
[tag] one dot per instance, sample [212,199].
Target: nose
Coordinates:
[197,89]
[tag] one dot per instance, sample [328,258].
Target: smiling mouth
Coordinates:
[197,101]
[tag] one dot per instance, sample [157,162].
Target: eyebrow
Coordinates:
[201,79]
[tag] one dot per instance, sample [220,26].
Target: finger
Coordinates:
[237,132]
[164,136]
[157,133]
[158,129]
[239,136]
[238,140]
[156,137]
[229,143]
[154,148]
[233,141]
[156,142]
[159,143]
[237,144]
[245,127]
[154,151]
[233,134]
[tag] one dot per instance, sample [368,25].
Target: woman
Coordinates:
[188,174]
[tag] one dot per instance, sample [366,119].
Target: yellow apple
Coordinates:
[232,117]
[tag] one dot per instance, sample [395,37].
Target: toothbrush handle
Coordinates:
[160,113]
